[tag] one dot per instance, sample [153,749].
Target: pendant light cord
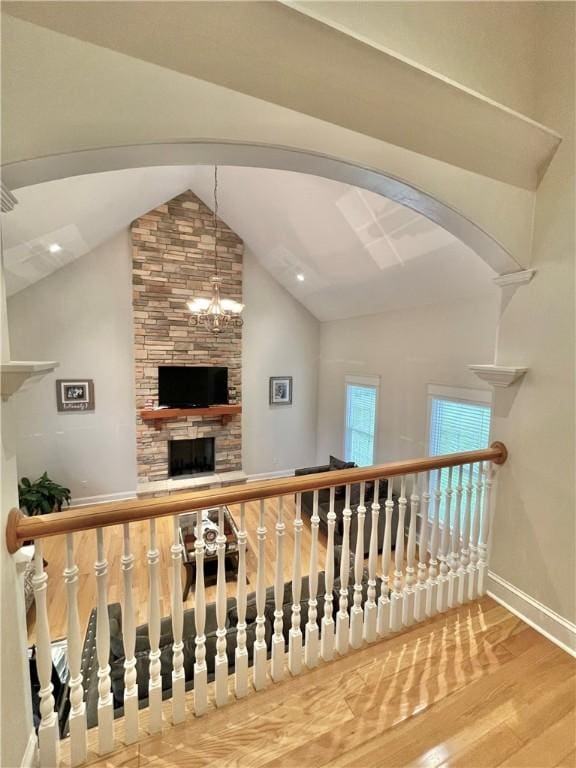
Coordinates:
[215,220]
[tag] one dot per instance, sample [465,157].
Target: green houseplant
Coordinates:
[42,495]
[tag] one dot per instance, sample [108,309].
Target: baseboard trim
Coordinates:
[270,475]
[30,756]
[550,624]
[103,498]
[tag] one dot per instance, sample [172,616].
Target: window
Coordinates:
[459,420]
[360,424]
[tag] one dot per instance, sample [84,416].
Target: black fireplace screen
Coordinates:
[191,457]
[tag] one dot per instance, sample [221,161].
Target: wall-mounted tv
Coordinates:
[192,386]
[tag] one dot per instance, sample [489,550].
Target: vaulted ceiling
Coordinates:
[339,250]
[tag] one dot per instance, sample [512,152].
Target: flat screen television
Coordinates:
[192,386]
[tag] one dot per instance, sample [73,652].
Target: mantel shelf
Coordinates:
[225,412]
[15,374]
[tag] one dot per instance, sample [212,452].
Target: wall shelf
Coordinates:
[15,374]
[498,375]
[225,412]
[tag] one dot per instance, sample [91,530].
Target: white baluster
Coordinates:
[356,612]
[178,678]
[397,595]
[200,667]
[129,635]
[48,736]
[327,636]
[422,587]
[221,662]
[277,666]
[370,609]
[488,472]
[473,567]
[295,636]
[259,670]
[342,621]
[453,576]
[311,647]
[465,556]
[383,623]
[155,681]
[432,594]
[78,747]
[105,702]
[409,591]
[241,654]
[444,548]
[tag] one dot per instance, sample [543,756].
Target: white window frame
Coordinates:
[366,380]
[459,395]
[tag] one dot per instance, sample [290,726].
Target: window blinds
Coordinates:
[457,426]
[360,424]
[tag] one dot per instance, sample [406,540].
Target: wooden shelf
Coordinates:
[226,412]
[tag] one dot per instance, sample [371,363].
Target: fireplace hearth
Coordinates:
[190,457]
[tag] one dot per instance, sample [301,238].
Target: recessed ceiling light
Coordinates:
[300,277]
[54,248]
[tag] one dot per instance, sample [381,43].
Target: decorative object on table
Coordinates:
[208,533]
[42,496]
[215,313]
[75,394]
[280,390]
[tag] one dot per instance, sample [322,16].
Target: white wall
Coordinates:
[280,338]
[80,316]
[534,524]
[408,349]
[486,46]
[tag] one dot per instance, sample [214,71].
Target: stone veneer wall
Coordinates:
[173,259]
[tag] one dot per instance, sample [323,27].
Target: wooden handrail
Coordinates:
[20,527]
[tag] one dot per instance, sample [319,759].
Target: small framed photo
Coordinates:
[75,395]
[280,390]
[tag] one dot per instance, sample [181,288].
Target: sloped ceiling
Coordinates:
[358,253]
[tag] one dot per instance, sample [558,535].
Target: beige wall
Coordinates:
[80,316]
[408,349]
[534,529]
[281,338]
[486,46]
[15,705]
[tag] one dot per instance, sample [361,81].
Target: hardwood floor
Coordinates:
[474,688]
[85,553]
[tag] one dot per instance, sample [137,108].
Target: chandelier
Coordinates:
[215,313]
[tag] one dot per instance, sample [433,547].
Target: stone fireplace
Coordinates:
[173,259]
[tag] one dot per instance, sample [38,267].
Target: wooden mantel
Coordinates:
[226,412]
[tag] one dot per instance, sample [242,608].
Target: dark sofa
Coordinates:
[339,501]
[116,661]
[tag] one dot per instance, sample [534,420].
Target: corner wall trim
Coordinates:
[30,756]
[550,624]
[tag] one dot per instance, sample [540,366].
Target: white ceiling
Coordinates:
[359,253]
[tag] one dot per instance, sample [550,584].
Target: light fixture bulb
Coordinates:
[54,248]
[300,277]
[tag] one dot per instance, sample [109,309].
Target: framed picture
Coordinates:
[75,394]
[280,390]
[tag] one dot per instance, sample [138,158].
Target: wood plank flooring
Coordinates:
[475,688]
[85,554]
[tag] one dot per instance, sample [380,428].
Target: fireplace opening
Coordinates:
[191,457]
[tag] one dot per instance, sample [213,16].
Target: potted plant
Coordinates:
[42,496]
